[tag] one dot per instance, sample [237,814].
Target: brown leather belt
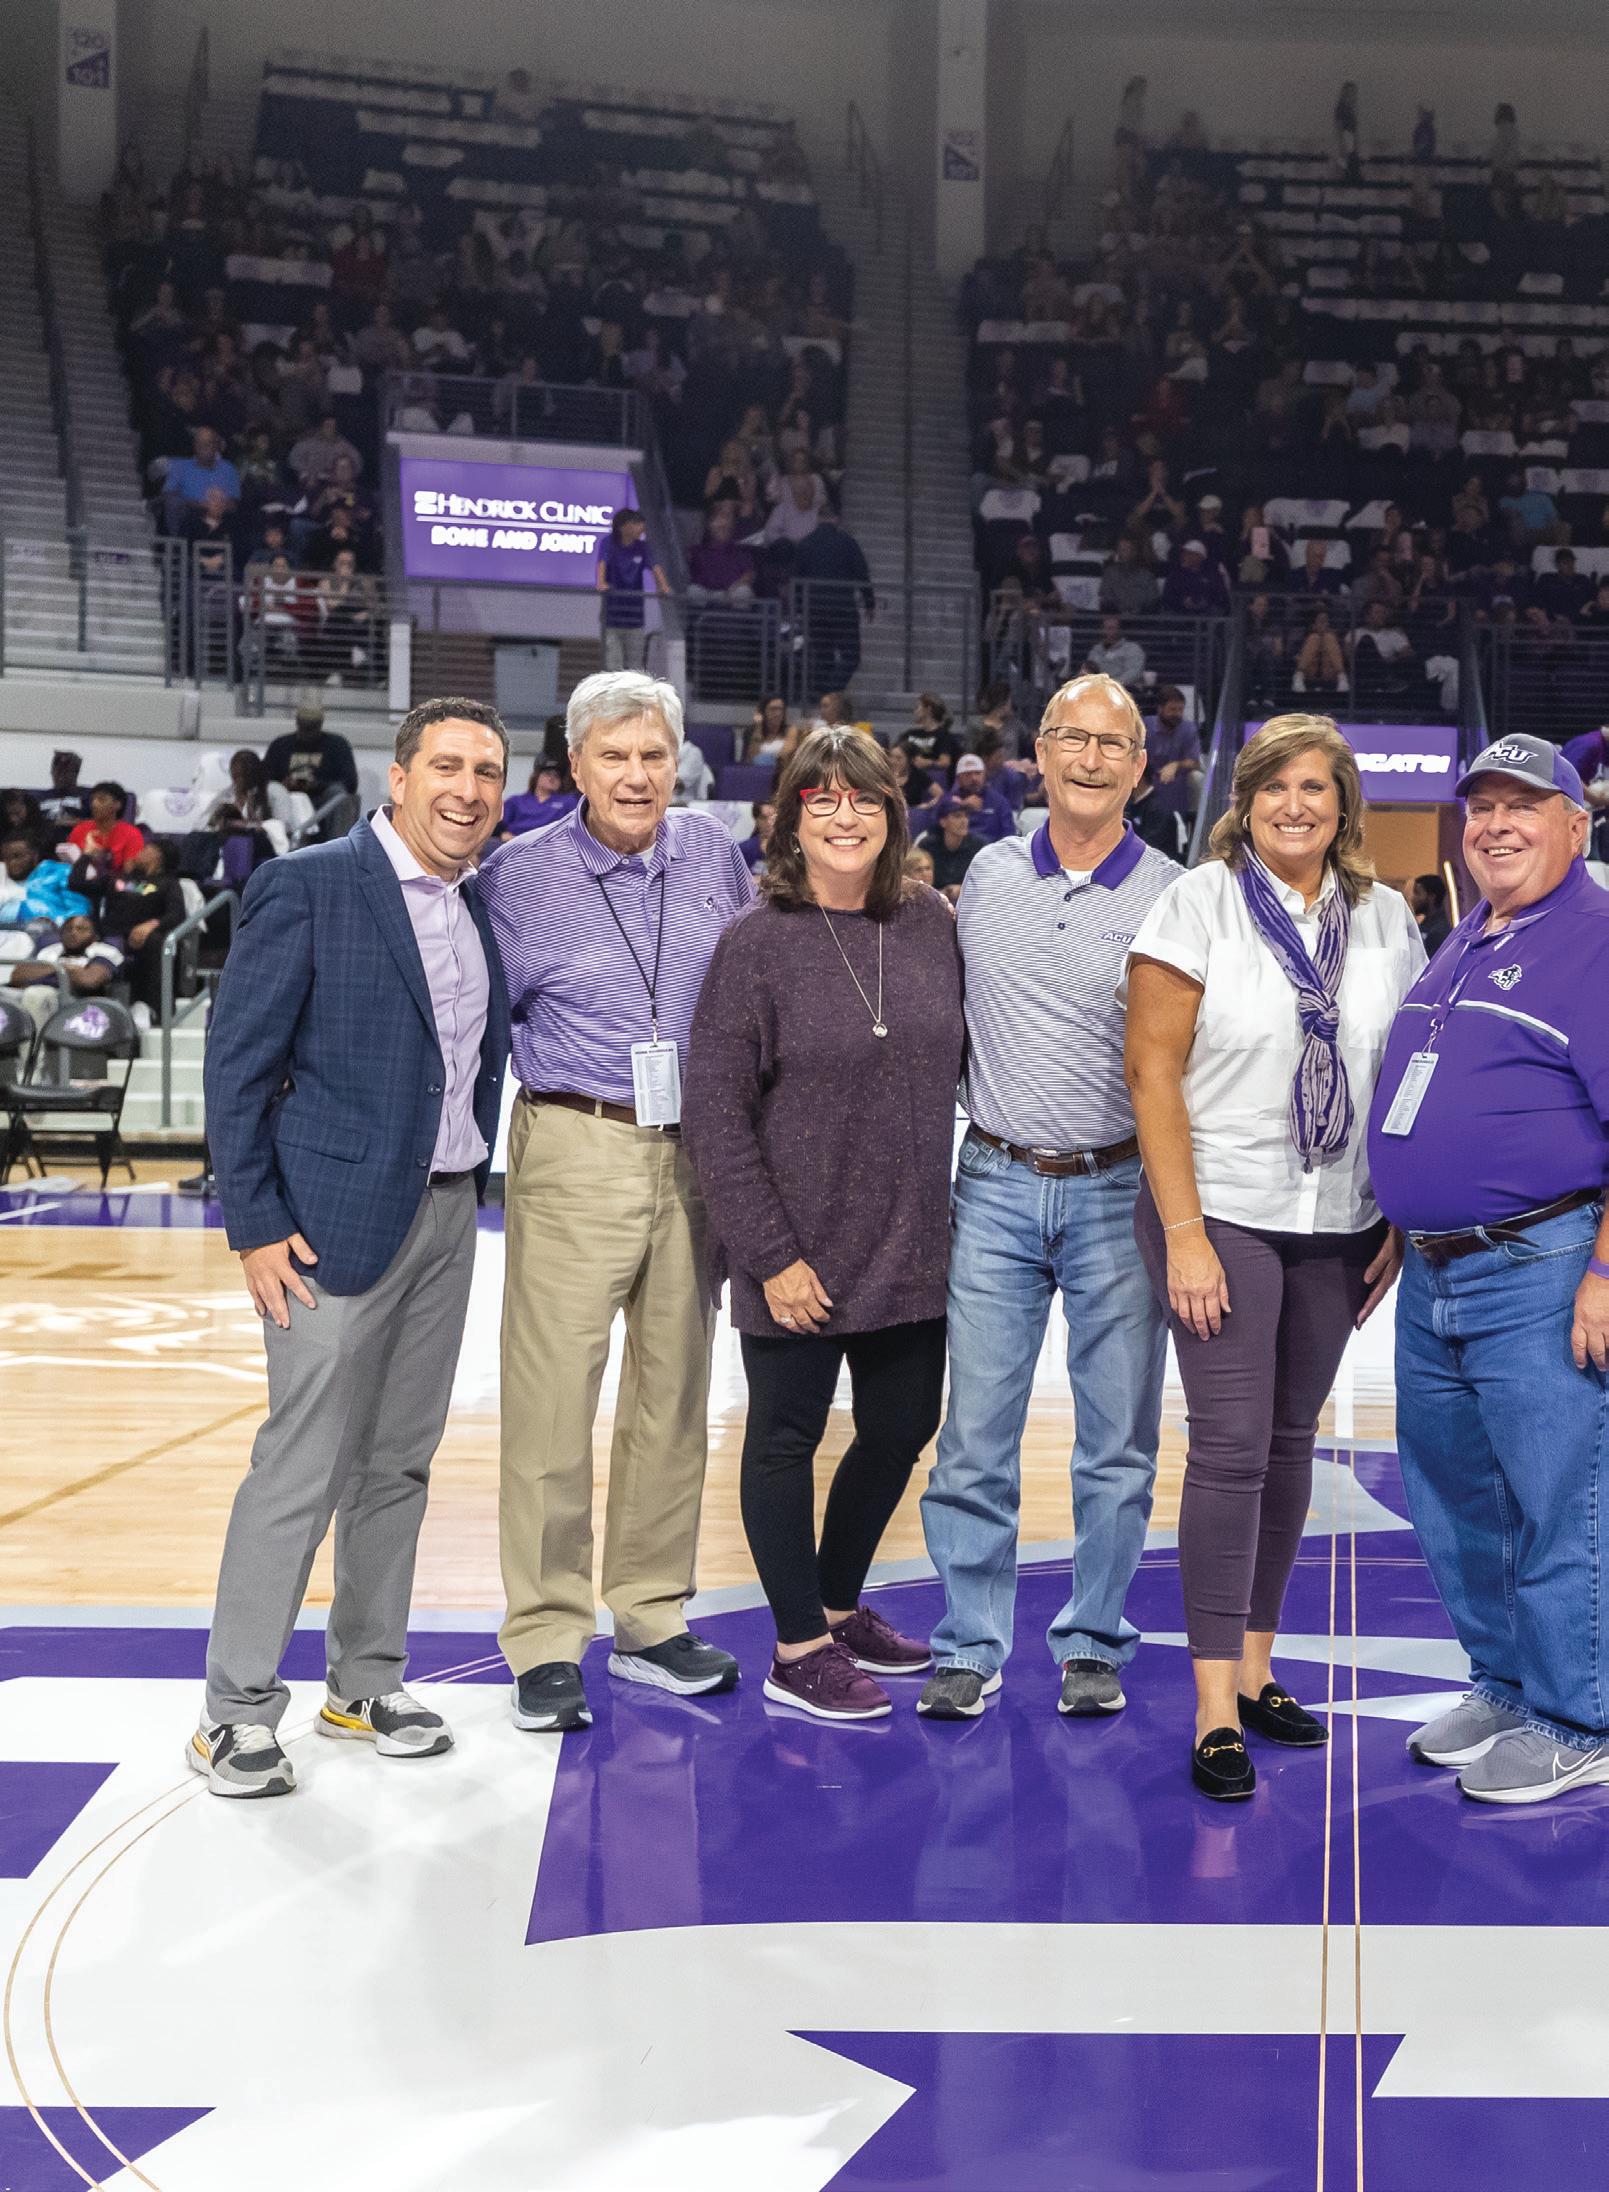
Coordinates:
[593,1106]
[1064,1164]
[1438,1248]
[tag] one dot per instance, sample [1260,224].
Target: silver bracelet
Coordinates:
[1179,1225]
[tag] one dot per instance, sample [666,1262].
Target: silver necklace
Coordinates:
[879,1026]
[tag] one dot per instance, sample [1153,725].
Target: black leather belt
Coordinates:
[449,1179]
[1438,1248]
[1064,1164]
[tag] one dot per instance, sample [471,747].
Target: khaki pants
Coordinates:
[600,1218]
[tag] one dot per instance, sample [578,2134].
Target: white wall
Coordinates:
[807,57]
[1251,71]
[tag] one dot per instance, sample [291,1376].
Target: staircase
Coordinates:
[33,493]
[936,620]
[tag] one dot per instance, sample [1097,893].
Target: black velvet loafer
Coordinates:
[1277,1718]
[1219,1766]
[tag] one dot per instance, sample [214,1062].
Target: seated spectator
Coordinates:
[990,814]
[1195,587]
[438,343]
[801,496]
[1128,585]
[1383,660]
[22,816]
[136,910]
[359,266]
[1115,656]
[514,99]
[1379,582]
[1434,413]
[1365,396]
[1209,530]
[1154,823]
[64,803]
[719,568]
[1264,653]
[543,801]
[1596,612]
[211,524]
[316,457]
[1316,576]
[1011,779]
[1173,753]
[1503,586]
[1427,896]
[1564,591]
[348,610]
[1469,547]
[752,847]
[919,866]
[1320,664]
[319,763]
[336,537]
[78,950]
[695,779]
[998,719]
[768,733]
[951,845]
[380,346]
[930,742]
[34,888]
[189,480]
[105,838]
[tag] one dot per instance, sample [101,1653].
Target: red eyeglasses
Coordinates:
[821,803]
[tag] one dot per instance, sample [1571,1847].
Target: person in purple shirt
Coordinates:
[607,921]
[1173,753]
[623,563]
[545,801]
[991,814]
[832,1218]
[1488,1146]
[720,569]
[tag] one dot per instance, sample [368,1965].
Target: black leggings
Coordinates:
[896,1379]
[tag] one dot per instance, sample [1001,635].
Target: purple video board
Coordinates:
[507,524]
[1402,764]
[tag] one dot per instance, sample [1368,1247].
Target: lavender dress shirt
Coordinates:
[456,977]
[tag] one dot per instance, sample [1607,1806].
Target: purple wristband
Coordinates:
[1598,1267]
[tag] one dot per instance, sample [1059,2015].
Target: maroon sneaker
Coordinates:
[872,1644]
[826,1682]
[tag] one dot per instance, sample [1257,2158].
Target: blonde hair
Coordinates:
[1280,740]
[1108,688]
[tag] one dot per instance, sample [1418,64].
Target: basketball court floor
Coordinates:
[711,1945]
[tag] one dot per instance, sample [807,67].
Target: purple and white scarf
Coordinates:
[1321,1100]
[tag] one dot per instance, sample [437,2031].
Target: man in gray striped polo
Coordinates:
[1044,1200]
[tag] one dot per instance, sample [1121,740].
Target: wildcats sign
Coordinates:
[1402,764]
[520,524]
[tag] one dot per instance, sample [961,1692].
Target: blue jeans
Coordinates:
[1504,1446]
[1016,1239]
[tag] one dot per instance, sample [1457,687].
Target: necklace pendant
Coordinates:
[878,1028]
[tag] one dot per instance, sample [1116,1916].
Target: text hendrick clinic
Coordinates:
[513,524]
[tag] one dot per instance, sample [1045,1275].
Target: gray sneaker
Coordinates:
[956,1693]
[1089,1686]
[1527,1767]
[1463,1734]
[240,1760]
[397,1725]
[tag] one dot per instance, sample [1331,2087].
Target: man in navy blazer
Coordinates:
[354,1071]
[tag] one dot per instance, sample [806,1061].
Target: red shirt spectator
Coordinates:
[106,838]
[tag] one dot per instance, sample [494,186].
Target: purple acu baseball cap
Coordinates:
[1528,760]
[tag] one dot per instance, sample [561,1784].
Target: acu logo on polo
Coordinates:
[1506,977]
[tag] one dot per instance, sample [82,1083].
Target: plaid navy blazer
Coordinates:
[324,1076]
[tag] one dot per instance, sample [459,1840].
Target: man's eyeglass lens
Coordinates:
[1113,747]
[821,804]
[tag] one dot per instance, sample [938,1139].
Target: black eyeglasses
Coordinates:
[1112,747]
[822,803]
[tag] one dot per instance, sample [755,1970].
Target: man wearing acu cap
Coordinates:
[1487,1146]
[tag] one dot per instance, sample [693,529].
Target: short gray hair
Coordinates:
[615,696]
[1109,690]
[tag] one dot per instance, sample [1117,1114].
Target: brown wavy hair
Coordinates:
[836,755]
[1280,740]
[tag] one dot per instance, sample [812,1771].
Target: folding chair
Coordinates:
[87,1031]
[16,1057]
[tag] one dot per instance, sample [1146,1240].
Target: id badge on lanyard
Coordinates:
[1410,1094]
[656,1082]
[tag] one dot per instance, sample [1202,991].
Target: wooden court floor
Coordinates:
[131,1382]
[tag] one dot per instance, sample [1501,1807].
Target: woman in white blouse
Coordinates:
[1261,988]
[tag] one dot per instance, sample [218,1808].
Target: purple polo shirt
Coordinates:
[525,811]
[455,975]
[1517,1112]
[1162,746]
[578,999]
[1588,754]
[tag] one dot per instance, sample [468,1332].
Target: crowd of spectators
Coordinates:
[1164,427]
[264,437]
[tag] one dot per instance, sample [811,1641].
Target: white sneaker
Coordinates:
[240,1759]
[397,1725]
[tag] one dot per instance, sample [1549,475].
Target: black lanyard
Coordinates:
[650,985]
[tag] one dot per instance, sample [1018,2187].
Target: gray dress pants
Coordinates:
[357,1400]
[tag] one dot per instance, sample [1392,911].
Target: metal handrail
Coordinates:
[309,830]
[607,415]
[171,1017]
[866,167]
[197,86]
[1228,724]
[58,358]
[1473,731]
[908,447]
[1059,177]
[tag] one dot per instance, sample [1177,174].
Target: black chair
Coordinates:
[16,1056]
[86,1032]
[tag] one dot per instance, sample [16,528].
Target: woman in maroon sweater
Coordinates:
[819,1114]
